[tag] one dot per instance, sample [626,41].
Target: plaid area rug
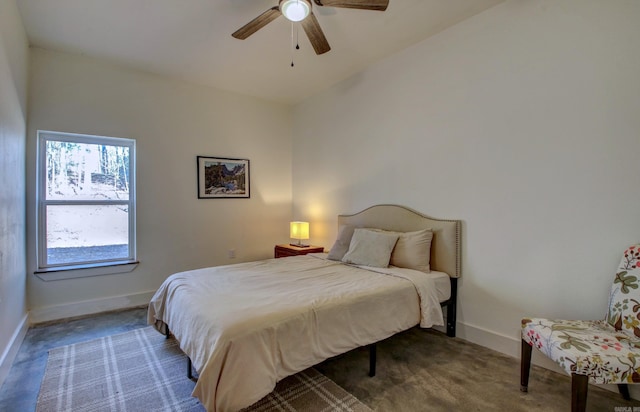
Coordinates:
[140,370]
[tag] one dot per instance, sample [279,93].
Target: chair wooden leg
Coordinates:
[579,388]
[525,366]
[623,388]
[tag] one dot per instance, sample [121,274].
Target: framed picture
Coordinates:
[220,177]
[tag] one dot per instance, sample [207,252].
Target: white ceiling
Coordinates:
[191,39]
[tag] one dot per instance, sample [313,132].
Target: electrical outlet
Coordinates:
[231,253]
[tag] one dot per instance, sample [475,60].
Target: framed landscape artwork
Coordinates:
[220,177]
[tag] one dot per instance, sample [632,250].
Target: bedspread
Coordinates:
[249,325]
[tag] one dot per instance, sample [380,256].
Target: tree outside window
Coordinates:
[86,200]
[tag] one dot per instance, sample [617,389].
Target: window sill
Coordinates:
[73,272]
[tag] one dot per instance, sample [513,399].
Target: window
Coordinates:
[86,201]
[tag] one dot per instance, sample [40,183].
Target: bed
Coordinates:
[244,327]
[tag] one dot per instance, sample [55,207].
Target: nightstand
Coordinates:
[290,250]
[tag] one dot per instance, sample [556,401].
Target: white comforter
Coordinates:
[249,325]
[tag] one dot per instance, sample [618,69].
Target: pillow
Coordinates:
[341,245]
[413,250]
[370,248]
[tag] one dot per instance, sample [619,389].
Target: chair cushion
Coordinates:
[592,348]
[624,299]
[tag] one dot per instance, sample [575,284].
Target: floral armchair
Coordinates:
[601,351]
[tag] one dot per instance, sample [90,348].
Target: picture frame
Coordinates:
[223,177]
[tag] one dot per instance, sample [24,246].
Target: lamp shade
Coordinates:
[299,230]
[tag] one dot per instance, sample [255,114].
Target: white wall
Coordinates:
[13,112]
[522,121]
[172,122]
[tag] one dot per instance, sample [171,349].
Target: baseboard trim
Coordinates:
[10,353]
[88,307]
[511,345]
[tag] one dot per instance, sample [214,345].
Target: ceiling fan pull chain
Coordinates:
[292,44]
[297,39]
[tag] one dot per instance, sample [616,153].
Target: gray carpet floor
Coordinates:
[418,370]
[424,370]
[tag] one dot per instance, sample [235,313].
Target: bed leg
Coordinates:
[451,320]
[451,309]
[372,360]
[190,370]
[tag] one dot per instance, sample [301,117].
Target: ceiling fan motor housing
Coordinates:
[295,10]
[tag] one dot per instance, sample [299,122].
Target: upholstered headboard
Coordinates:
[446,249]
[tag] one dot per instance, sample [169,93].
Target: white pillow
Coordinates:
[370,248]
[341,245]
[413,250]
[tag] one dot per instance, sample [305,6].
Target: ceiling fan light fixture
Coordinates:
[295,10]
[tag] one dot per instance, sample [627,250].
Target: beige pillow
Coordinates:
[413,250]
[341,245]
[370,248]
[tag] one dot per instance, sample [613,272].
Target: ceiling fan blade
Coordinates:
[380,5]
[315,34]
[257,23]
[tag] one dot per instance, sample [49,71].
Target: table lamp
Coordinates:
[299,231]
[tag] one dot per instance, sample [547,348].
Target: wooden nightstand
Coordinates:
[290,250]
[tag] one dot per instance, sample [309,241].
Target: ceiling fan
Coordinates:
[300,10]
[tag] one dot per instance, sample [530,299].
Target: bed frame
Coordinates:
[446,253]
[446,248]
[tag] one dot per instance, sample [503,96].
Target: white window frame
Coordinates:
[87,268]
